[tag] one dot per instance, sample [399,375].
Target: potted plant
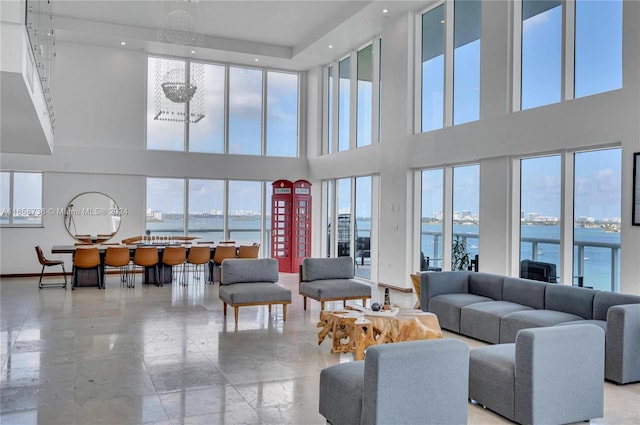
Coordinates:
[459,254]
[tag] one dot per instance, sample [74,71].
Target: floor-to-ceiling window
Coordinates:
[165,206]
[466,215]
[431,219]
[245,111]
[282,114]
[596,209]
[208,134]
[245,211]
[206,209]
[540,207]
[351,211]
[363,222]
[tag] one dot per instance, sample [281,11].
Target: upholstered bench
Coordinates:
[246,282]
[331,279]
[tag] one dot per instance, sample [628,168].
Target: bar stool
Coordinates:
[221,253]
[145,256]
[86,259]
[50,263]
[120,257]
[173,256]
[198,256]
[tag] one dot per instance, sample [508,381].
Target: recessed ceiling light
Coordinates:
[331,46]
[385,10]
[257,60]
[193,52]
[442,22]
[122,43]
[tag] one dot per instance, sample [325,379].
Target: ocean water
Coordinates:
[596,260]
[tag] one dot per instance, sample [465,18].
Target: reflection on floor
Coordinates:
[168,356]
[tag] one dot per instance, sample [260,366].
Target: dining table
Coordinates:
[86,278]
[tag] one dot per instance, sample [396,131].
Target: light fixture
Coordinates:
[123,43]
[256,60]
[385,10]
[179,83]
[331,46]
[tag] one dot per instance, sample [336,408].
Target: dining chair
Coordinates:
[144,257]
[50,263]
[249,251]
[86,259]
[198,256]
[173,256]
[120,257]
[221,253]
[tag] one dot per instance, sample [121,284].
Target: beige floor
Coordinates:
[168,356]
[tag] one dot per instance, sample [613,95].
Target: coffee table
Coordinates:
[352,331]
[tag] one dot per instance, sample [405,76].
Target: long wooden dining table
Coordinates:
[86,278]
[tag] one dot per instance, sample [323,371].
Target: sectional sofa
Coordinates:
[493,308]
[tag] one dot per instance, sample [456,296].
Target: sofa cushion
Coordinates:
[447,308]
[482,320]
[524,291]
[486,285]
[569,299]
[334,288]
[602,324]
[438,283]
[340,400]
[513,322]
[327,268]
[603,300]
[245,270]
[491,370]
[254,292]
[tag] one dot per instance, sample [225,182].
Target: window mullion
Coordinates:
[569,54]
[226,109]
[187,107]
[448,65]
[353,99]
[375,92]
[263,125]
[516,78]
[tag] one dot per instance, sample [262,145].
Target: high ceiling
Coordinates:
[284,34]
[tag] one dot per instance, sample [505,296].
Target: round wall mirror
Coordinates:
[92,217]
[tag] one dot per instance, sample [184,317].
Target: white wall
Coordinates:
[100,138]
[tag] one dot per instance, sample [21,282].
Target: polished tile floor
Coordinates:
[167,355]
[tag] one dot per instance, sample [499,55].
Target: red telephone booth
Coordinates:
[301,223]
[290,223]
[281,198]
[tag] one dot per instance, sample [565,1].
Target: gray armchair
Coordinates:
[413,382]
[550,375]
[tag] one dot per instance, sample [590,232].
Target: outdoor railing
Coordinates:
[614,249]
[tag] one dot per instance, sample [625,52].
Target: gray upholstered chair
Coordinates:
[251,282]
[331,279]
[412,382]
[550,375]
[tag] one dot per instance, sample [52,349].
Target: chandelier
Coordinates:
[179,83]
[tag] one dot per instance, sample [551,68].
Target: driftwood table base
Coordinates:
[352,331]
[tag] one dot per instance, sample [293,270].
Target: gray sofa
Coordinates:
[415,382]
[331,279]
[493,308]
[249,282]
[517,381]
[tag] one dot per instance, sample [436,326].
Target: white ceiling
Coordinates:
[283,34]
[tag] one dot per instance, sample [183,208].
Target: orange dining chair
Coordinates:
[145,257]
[86,259]
[120,257]
[198,256]
[249,251]
[221,253]
[173,256]
[50,263]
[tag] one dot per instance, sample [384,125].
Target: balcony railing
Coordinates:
[580,246]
